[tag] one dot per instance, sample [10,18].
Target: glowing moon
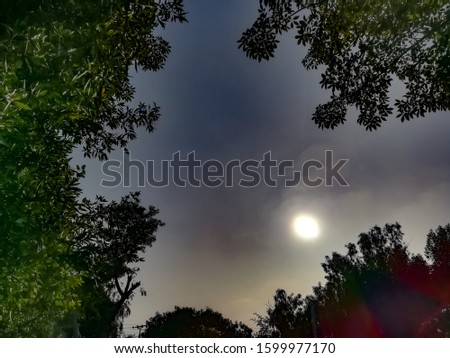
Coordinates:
[306,227]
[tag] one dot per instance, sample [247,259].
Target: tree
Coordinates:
[65,83]
[73,58]
[437,251]
[363,46]
[109,243]
[288,317]
[186,322]
[377,289]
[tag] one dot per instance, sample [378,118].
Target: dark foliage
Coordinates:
[111,240]
[289,316]
[363,46]
[65,83]
[186,322]
[377,289]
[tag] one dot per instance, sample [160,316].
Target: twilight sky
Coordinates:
[231,248]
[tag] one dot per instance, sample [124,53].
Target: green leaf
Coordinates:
[22,105]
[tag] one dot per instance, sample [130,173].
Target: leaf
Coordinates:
[22,105]
[20,221]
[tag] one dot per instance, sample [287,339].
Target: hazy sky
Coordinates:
[231,248]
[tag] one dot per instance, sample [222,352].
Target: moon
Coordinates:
[306,227]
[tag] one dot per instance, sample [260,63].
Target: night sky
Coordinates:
[231,248]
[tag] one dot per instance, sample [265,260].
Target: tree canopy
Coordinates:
[187,322]
[110,242]
[287,317]
[363,46]
[377,289]
[64,83]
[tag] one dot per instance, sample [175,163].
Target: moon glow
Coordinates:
[306,227]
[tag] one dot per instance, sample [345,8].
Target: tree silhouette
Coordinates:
[110,242]
[377,289]
[437,251]
[186,322]
[287,317]
[364,45]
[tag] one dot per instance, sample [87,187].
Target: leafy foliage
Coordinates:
[75,57]
[437,251]
[377,289]
[288,317]
[186,322]
[64,83]
[364,45]
[110,242]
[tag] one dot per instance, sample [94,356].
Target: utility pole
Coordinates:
[139,327]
